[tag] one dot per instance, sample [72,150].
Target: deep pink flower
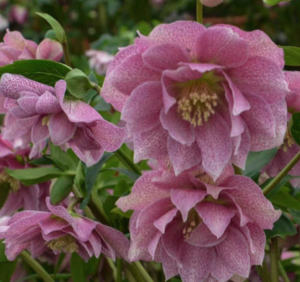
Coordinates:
[60,230]
[211,3]
[36,112]
[28,198]
[201,229]
[99,60]
[16,47]
[18,14]
[200,95]
[289,148]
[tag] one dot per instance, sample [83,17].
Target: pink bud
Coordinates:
[49,50]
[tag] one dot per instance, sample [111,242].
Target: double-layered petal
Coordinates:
[60,231]
[197,95]
[201,229]
[36,112]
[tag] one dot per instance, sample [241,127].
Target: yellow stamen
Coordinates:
[14,184]
[191,224]
[66,243]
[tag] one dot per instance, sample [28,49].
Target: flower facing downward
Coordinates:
[197,95]
[36,112]
[60,231]
[201,229]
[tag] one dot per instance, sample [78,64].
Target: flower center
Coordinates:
[65,243]
[288,141]
[204,177]
[14,184]
[191,224]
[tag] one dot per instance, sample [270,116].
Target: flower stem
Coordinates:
[282,272]
[199,12]
[274,260]
[45,276]
[129,275]
[127,162]
[263,272]
[281,175]
[66,52]
[119,270]
[142,271]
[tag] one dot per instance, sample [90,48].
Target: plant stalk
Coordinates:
[199,12]
[127,162]
[119,270]
[42,273]
[281,175]
[66,52]
[274,260]
[282,272]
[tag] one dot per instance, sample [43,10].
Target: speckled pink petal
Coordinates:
[27,103]
[14,39]
[40,131]
[47,104]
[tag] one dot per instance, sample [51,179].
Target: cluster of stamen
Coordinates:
[288,141]
[14,184]
[65,243]
[197,102]
[204,177]
[191,224]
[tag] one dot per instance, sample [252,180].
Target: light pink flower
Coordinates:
[28,198]
[61,231]
[211,3]
[200,95]
[18,14]
[99,60]
[3,23]
[201,229]
[289,148]
[36,112]
[15,47]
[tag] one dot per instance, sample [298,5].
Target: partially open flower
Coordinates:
[200,95]
[36,112]
[31,197]
[201,229]
[61,231]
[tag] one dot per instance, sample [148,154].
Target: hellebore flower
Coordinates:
[30,197]
[201,229]
[15,47]
[211,3]
[61,231]
[18,14]
[36,112]
[99,60]
[289,148]
[200,95]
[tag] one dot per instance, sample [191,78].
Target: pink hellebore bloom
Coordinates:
[37,111]
[60,230]
[99,60]
[201,229]
[289,148]
[29,198]
[18,14]
[200,95]
[211,3]
[15,47]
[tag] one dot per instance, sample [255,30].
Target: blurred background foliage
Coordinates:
[109,24]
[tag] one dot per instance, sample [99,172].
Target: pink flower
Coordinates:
[28,198]
[36,112]
[59,231]
[18,14]
[289,148]
[15,47]
[99,60]
[201,229]
[211,3]
[200,95]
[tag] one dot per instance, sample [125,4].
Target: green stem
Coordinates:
[45,276]
[119,270]
[96,87]
[129,275]
[263,272]
[113,268]
[282,174]
[282,272]
[66,53]
[127,162]
[199,12]
[237,170]
[274,260]
[142,271]
[62,276]
[96,207]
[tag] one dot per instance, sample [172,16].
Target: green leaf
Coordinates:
[6,270]
[273,2]
[62,159]
[61,189]
[32,176]
[121,188]
[134,176]
[118,211]
[4,192]
[283,227]
[77,268]
[59,31]
[43,71]
[295,127]
[291,55]
[90,177]
[45,160]
[110,204]
[284,199]
[295,214]
[257,160]
[78,83]
[51,34]
[80,178]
